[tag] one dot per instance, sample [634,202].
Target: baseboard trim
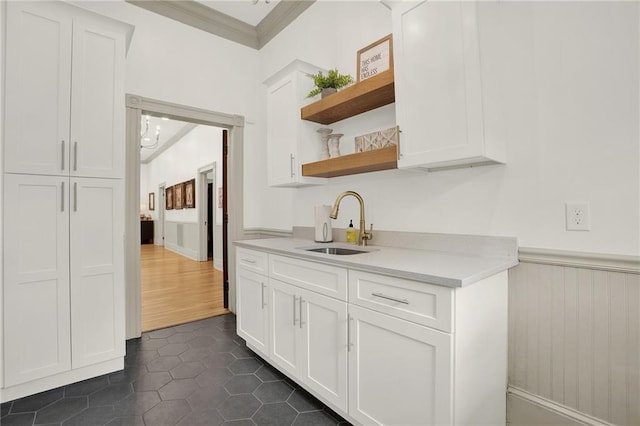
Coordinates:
[51,382]
[556,409]
[191,254]
[604,262]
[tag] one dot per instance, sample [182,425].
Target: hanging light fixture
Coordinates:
[144,138]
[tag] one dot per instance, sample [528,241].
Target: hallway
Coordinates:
[176,290]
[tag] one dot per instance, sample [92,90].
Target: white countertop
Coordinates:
[445,268]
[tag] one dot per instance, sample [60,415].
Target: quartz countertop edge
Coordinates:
[444,268]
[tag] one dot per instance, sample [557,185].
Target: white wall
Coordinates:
[176,63]
[180,163]
[560,84]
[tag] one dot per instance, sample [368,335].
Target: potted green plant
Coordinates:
[330,83]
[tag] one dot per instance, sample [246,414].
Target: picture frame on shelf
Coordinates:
[178,194]
[375,58]
[168,197]
[190,194]
[152,201]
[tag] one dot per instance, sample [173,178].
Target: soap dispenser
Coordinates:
[352,235]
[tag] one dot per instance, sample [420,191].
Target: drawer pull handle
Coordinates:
[300,310]
[249,261]
[263,304]
[295,299]
[395,299]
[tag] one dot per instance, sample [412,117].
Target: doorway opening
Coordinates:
[231,220]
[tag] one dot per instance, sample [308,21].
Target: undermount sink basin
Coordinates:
[341,251]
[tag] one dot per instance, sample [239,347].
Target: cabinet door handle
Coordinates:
[300,310]
[294,309]
[75,156]
[62,196]
[75,196]
[395,299]
[263,304]
[62,149]
[291,164]
[249,261]
[349,344]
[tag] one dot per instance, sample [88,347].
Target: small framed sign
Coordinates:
[375,58]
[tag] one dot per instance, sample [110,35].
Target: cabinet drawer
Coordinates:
[422,303]
[323,279]
[252,260]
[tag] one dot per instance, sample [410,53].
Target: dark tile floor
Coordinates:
[200,373]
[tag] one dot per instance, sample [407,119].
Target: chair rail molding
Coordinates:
[601,261]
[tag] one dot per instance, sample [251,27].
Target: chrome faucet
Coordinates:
[363,235]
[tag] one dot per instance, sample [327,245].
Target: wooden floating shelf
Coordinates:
[364,96]
[351,164]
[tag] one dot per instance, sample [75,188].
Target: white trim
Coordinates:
[556,408]
[605,262]
[61,379]
[235,124]
[197,15]
[266,232]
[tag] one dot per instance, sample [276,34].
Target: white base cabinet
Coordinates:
[399,372]
[379,349]
[252,312]
[309,340]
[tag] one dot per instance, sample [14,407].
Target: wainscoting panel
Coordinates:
[574,338]
[182,238]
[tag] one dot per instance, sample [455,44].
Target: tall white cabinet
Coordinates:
[63,206]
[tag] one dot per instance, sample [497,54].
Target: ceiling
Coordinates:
[247,11]
[170,131]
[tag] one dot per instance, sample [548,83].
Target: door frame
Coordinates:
[135,105]
[202,210]
[158,232]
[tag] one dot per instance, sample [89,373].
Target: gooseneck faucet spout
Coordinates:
[363,235]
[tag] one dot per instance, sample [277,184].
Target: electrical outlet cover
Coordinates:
[577,216]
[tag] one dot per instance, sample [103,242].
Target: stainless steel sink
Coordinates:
[340,251]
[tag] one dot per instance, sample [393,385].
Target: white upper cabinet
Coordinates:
[291,141]
[65,93]
[97,102]
[38,88]
[439,105]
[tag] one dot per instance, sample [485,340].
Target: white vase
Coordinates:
[334,144]
[324,141]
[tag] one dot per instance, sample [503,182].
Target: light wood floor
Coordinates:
[176,290]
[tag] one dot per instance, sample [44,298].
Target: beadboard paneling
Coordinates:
[574,338]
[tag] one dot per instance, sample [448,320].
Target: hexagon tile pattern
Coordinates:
[199,373]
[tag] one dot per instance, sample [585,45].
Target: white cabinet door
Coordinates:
[438,86]
[291,141]
[97,270]
[400,373]
[37,83]
[37,337]
[97,102]
[253,310]
[324,346]
[284,316]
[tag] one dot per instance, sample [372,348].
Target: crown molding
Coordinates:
[279,18]
[197,15]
